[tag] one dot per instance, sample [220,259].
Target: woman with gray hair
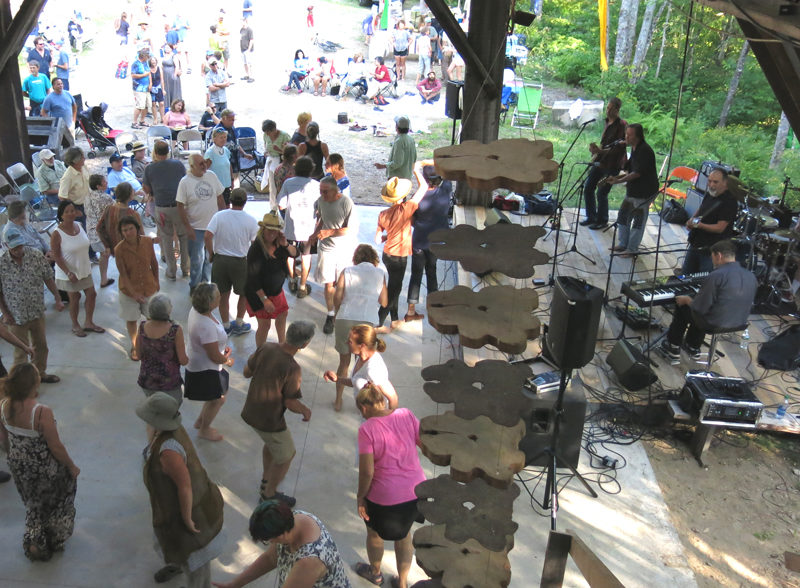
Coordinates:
[161,349]
[74,184]
[206,380]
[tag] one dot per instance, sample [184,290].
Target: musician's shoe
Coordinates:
[693,352]
[588,222]
[598,226]
[673,352]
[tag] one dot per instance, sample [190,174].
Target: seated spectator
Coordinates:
[209,119]
[430,88]
[18,218]
[177,117]
[48,175]
[355,76]
[300,70]
[379,80]
[120,173]
[139,160]
[322,76]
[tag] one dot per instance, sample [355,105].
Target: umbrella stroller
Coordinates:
[98,132]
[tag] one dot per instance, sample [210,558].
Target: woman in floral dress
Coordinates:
[43,471]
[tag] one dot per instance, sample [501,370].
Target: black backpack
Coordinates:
[782,352]
[674,213]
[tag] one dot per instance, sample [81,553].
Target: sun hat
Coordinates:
[395,190]
[160,411]
[46,154]
[138,146]
[13,237]
[272,220]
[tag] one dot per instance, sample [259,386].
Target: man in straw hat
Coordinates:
[336,233]
[274,387]
[394,231]
[187,506]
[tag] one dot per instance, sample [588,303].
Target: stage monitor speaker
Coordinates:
[539,425]
[693,201]
[574,319]
[630,366]
[452,99]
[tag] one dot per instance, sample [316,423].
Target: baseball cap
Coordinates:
[115,157]
[46,154]
[13,237]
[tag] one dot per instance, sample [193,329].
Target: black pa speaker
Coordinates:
[630,366]
[452,99]
[539,425]
[574,319]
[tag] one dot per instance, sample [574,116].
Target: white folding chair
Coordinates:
[39,208]
[19,175]
[188,136]
[158,132]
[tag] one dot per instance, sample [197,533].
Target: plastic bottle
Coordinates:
[745,339]
[782,408]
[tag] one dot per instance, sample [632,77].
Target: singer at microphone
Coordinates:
[608,158]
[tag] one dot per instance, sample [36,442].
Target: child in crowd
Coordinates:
[96,204]
[335,168]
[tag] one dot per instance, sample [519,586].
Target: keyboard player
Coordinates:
[723,301]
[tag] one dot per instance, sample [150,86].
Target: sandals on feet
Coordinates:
[78,332]
[365,571]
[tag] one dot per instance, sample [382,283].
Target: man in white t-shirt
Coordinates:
[228,238]
[297,197]
[199,197]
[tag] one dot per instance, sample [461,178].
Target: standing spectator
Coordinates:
[432,213]
[223,39]
[274,387]
[275,142]
[70,247]
[297,198]
[161,349]
[96,204]
[299,135]
[181,24]
[144,42]
[36,87]
[172,68]
[142,101]
[216,82]
[388,471]
[227,118]
[455,71]
[138,276]
[394,231]
[139,159]
[156,91]
[60,104]
[23,272]
[285,170]
[424,52]
[267,259]
[335,168]
[48,175]
[315,149]
[227,240]
[62,64]
[108,226]
[206,380]
[187,506]
[335,232]
[299,547]
[161,179]
[246,46]
[43,471]
[41,54]
[403,153]
[430,88]
[199,197]
[247,9]
[357,289]
[401,39]
[218,160]
[74,184]
[121,28]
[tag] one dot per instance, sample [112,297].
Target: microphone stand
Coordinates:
[555,218]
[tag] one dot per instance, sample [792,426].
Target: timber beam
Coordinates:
[21,26]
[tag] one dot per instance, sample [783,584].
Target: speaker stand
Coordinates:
[551,487]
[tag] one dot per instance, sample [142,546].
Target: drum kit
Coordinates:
[768,241]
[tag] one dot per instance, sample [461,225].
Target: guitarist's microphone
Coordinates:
[588,122]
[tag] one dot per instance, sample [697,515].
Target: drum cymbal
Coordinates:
[737,188]
[762,216]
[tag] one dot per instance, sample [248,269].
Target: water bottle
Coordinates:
[783,407]
[745,339]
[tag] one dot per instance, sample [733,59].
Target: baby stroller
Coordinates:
[98,132]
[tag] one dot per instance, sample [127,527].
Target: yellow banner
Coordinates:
[602,11]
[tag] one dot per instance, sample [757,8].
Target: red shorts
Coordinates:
[280,303]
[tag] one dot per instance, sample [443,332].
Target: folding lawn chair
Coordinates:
[19,176]
[526,111]
[678,175]
[39,208]
[249,169]
[188,136]
[158,132]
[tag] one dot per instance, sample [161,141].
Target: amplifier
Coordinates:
[718,400]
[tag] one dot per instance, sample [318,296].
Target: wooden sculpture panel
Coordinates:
[491,388]
[505,248]
[473,449]
[521,165]
[498,315]
[458,565]
[470,511]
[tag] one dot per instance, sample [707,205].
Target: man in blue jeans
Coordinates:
[199,198]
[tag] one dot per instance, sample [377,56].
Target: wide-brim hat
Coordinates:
[395,190]
[272,220]
[138,146]
[160,411]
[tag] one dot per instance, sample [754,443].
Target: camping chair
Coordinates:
[249,168]
[677,175]
[188,136]
[390,89]
[158,132]
[526,111]
[39,208]
[19,176]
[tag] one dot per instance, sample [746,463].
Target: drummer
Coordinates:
[712,222]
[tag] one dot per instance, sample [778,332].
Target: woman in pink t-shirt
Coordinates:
[388,471]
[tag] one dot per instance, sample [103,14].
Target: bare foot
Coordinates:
[396,324]
[337,404]
[383,330]
[210,434]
